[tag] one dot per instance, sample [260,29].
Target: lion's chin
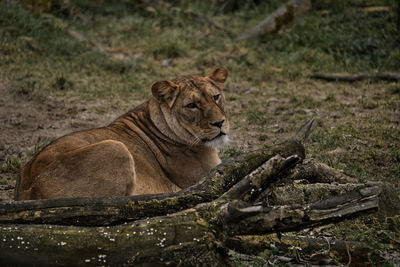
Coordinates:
[217,142]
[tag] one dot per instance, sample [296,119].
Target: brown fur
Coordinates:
[165,144]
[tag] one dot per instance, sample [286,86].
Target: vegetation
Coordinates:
[127,46]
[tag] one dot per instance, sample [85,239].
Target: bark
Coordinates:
[311,181]
[344,77]
[284,15]
[316,172]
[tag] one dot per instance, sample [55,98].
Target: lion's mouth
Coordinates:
[221,133]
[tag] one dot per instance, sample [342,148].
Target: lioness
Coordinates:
[165,144]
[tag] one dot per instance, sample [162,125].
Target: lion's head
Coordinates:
[193,108]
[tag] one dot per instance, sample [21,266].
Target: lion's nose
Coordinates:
[217,123]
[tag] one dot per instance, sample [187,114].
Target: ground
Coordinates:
[74,65]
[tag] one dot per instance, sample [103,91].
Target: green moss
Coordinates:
[229,152]
[141,209]
[115,245]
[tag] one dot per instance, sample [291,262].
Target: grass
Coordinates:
[12,165]
[328,42]
[230,151]
[269,93]
[376,233]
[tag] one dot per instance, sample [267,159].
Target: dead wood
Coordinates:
[316,172]
[356,252]
[344,77]
[192,236]
[310,181]
[304,132]
[284,15]
[190,227]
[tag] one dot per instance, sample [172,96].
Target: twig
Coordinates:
[344,77]
[348,254]
[304,132]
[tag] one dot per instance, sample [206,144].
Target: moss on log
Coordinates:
[194,236]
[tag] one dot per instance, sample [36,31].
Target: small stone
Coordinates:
[167,63]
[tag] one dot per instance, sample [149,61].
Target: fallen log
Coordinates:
[192,236]
[190,227]
[279,18]
[344,77]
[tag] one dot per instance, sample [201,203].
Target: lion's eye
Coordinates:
[216,97]
[191,105]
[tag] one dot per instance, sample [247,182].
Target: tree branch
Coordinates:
[342,77]
[294,217]
[279,18]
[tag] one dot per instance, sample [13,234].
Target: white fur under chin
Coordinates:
[218,142]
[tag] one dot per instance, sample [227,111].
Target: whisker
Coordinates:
[195,141]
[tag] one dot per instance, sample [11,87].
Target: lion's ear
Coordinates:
[218,75]
[165,91]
